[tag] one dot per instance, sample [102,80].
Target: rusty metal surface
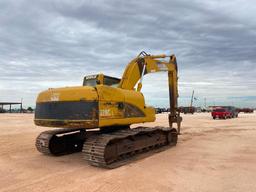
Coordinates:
[112,149]
[88,124]
[108,150]
[175,119]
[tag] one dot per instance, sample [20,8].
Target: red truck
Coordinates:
[221,113]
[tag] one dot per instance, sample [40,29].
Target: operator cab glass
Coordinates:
[111,81]
[90,80]
[94,80]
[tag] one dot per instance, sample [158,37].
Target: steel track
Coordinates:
[113,149]
[108,150]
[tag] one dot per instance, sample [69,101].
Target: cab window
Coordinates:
[90,81]
[111,81]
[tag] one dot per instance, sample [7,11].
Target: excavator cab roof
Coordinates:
[93,80]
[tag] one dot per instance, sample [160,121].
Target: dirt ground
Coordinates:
[211,155]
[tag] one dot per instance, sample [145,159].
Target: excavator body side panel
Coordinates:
[122,107]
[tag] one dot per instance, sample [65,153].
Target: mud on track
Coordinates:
[211,155]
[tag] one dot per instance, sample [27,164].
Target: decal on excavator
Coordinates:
[105,113]
[161,66]
[55,97]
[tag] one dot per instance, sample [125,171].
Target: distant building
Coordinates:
[10,104]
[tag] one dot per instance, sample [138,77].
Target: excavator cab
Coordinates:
[101,79]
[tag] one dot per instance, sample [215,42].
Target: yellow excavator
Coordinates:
[95,118]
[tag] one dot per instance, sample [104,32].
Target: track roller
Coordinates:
[112,149]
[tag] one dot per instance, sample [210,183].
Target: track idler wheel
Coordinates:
[60,142]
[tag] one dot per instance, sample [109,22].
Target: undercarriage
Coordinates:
[105,149]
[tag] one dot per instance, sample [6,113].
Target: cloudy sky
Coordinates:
[55,43]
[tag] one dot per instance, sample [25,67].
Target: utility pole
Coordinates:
[192,98]
[205,102]
[21,105]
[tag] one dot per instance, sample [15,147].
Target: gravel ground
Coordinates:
[211,155]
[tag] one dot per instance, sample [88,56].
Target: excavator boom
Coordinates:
[144,64]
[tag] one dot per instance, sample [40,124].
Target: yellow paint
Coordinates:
[68,94]
[109,98]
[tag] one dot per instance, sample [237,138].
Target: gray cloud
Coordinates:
[55,43]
